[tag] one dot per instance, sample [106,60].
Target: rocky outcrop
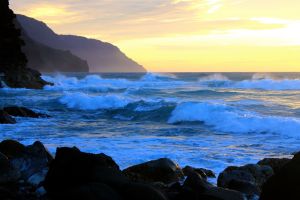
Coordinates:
[101,56]
[7,112]
[285,183]
[13,62]
[161,170]
[247,179]
[204,173]
[23,112]
[77,175]
[5,118]
[31,173]
[22,169]
[275,163]
[196,188]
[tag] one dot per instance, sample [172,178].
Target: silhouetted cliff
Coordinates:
[47,59]
[13,62]
[101,56]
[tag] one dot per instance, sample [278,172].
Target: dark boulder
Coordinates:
[71,168]
[7,173]
[161,170]
[253,175]
[12,148]
[275,163]
[5,118]
[90,191]
[22,112]
[74,172]
[285,184]
[138,191]
[251,190]
[195,187]
[30,162]
[205,173]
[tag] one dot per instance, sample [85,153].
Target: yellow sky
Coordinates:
[184,35]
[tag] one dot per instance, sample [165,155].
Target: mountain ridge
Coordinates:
[101,56]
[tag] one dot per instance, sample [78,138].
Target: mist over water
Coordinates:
[208,120]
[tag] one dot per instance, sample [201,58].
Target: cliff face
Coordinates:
[101,56]
[13,62]
[47,59]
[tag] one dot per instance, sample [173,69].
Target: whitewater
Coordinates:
[209,120]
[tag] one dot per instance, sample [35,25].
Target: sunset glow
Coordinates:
[184,35]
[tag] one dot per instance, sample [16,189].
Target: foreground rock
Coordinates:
[161,170]
[26,162]
[22,112]
[247,179]
[284,184]
[31,173]
[195,187]
[5,118]
[22,169]
[204,173]
[275,163]
[93,176]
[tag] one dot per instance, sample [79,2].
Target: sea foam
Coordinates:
[229,119]
[84,101]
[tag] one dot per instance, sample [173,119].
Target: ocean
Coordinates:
[209,120]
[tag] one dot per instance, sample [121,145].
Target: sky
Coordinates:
[184,35]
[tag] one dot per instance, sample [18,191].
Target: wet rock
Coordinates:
[74,171]
[245,187]
[5,118]
[7,194]
[285,183]
[254,175]
[7,172]
[91,191]
[138,191]
[205,173]
[71,168]
[161,170]
[275,163]
[195,187]
[22,112]
[27,161]
[37,178]
[12,148]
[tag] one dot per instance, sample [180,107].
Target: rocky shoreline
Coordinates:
[31,172]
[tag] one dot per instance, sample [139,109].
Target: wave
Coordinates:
[90,82]
[229,119]
[83,101]
[268,84]
[157,76]
[97,83]
[257,81]
[213,77]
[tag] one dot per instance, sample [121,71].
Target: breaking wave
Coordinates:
[229,119]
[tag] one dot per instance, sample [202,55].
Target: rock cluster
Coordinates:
[30,172]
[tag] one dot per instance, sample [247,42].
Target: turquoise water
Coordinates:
[209,120]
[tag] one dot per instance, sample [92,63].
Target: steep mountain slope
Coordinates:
[101,56]
[47,59]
